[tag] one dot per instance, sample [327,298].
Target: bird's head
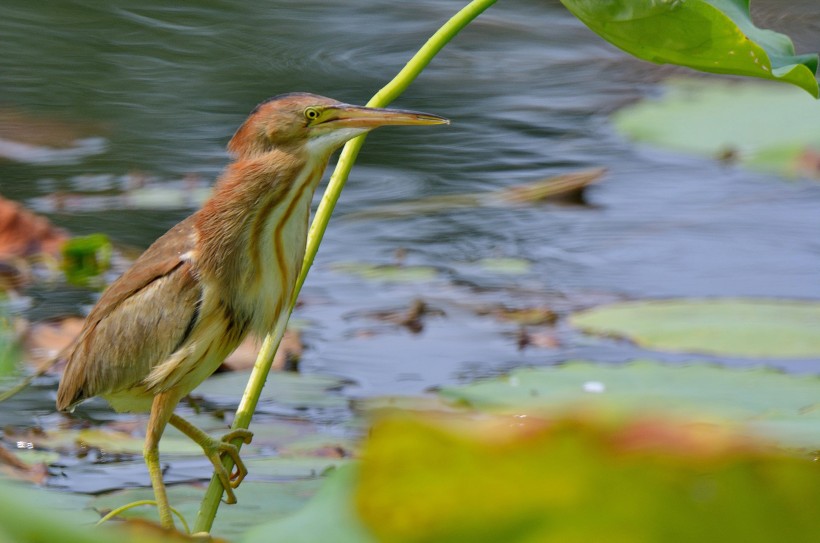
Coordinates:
[316,123]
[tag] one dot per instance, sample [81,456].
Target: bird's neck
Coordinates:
[252,232]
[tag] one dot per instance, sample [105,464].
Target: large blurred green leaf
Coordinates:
[774,405]
[581,452]
[730,327]
[707,35]
[579,479]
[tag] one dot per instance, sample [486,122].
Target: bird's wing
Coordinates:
[138,322]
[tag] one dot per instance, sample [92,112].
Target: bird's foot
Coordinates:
[233,451]
[216,448]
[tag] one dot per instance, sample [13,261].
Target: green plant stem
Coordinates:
[261,368]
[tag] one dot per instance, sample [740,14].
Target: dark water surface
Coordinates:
[156,91]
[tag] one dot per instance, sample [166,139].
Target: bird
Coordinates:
[228,270]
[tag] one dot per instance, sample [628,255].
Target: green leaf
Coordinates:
[387,273]
[303,467]
[257,502]
[85,258]
[577,479]
[329,516]
[707,35]
[728,327]
[764,126]
[774,405]
[9,344]
[506,266]
[29,515]
[294,390]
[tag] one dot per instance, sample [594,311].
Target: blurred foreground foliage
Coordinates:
[580,478]
[581,452]
[583,476]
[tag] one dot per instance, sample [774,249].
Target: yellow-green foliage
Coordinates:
[518,479]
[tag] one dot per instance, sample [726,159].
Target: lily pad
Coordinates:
[707,35]
[329,516]
[30,515]
[767,127]
[777,406]
[286,389]
[112,442]
[257,502]
[388,273]
[728,327]
[278,468]
[506,266]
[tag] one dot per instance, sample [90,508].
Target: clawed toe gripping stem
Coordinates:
[216,450]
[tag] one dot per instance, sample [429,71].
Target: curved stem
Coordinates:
[261,368]
[127,506]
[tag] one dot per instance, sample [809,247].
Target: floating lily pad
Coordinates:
[277,468]
[257,502]
[388,272]
[329,516]
[707,35]
[112,442]
[167,196]
[765,126]
[34,457]
[506,266]
[728,327]
[375,406]
[287,389]
[32,515]
[782,407]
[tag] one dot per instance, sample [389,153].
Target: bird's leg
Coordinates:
[214,449]
[161,411]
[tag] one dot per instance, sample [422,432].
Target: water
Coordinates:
[156,91]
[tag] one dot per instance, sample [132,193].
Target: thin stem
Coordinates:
[261,368]
[122,509]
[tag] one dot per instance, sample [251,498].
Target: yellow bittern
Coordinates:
[230,268]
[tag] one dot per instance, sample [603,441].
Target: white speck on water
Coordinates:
[514,381]
[594,387]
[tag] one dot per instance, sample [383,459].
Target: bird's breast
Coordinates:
[277,236]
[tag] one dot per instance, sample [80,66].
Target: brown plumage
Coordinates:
[169,321]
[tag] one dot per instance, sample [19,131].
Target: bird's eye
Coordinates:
[311,114]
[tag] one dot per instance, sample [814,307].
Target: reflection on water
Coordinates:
[161,88]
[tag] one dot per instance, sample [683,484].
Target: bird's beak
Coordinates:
[347,116]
